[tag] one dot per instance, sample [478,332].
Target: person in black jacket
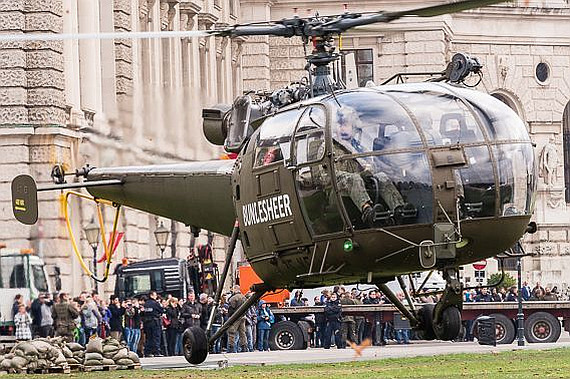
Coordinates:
[333,314]
[116,321]
[174,326]
[42,320]
[152,314]
[132,324]
[320,325]
[191,311]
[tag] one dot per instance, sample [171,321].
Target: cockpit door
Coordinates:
[445,160]
[269,213]
[312,169]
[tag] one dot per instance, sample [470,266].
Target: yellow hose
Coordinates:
[108,247]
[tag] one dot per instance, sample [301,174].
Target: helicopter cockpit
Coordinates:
[384,143]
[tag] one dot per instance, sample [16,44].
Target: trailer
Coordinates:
[543,321]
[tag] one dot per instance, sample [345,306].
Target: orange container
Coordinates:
[247,277]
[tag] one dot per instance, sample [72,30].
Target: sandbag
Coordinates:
[60,359]
[19,363]
[95,345]
[43,363]
[124,362]
[67,352]
[122,353]
[110,348]
[27,348]
[111,341]
[6,364]
[42,346]
[9,356]
[93,356]
[134,357]
[74,346]
[108,362]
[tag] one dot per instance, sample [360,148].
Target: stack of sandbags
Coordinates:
[118,354]
[94,353]
[33,355]
[77,353]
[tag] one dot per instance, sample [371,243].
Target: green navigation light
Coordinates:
[348,246]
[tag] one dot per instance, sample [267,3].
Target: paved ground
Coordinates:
[416,348]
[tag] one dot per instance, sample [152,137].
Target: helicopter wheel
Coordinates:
[449,326]
[195,345]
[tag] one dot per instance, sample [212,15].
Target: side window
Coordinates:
[274,138]
[310,137]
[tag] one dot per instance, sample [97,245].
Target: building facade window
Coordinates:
[479,276]
[566,148]
[364,61]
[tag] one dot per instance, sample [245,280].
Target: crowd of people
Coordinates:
[161,322]
[158,322]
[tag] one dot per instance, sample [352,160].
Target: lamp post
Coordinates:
[520,314]
[92,234]
[161,235]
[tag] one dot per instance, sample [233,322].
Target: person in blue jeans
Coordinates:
[264,320]
[132,324]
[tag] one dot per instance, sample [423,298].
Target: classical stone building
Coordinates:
[107,102]
[525,50]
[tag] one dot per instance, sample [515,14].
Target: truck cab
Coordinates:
[21,272]
[165,276]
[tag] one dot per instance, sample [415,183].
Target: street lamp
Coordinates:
[161,235]
[92,234]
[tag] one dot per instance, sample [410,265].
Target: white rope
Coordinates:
[117,35]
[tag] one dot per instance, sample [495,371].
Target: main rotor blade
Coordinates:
[438,10]
[113,35]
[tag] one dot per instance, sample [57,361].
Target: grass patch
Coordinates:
[510,364]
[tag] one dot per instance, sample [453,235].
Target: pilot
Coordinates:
[350,182]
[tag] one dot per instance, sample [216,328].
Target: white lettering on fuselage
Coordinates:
[266,210]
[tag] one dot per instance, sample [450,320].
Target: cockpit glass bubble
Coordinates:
[475,184]
[398,187]
[515,163]
[368,121]
[500,121]
[443,118]
[274,139]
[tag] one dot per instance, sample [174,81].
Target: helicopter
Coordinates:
[333,185]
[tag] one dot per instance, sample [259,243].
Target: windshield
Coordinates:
[40,281]
[142,283]
[12,272]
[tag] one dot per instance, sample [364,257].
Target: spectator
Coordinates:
[116,321]
[173,326]
[205,315]
[236,301]
[296,300]
[105,324]
[217,324]
[42,320]
[374,329]
[250,324]
[152,314]
[495,296]
[537,292]
[132,324]
[320,325]
[191,312]
[63,315]
[513,294]
[484,296]
[264,320]
[23,323]
[18,300]
[333,315]
[549,295]
[348,323]
[526,291]
[91,317]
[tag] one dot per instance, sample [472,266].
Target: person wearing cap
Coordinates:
[264,320]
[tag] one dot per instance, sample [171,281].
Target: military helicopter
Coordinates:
[331,185]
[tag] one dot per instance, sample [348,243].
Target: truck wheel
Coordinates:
[542,327]
[425,315]
[504,329]
[285,335]
[195,345]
